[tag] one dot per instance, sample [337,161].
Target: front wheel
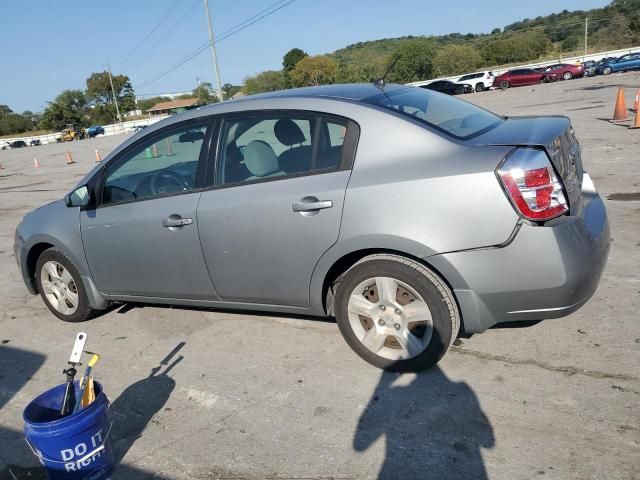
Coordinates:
[504,85]
[606,70]
[395,313]
[61,287]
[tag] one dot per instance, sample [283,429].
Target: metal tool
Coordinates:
[68,400]
[86,384]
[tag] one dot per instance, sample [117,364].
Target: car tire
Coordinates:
[504,85]
[62,292]
[459,91]
[567,75]
[399,344]
[479,87]
[606,70]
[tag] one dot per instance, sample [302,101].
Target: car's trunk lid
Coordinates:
[552,133]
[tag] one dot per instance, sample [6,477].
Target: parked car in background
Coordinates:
[589,68]
[5,145]
[620,64]
[18,144]
[94,131]
[479,81]
[523,76]
[564,71]
[137,128]
[301,202]
[449,87]
[35,142]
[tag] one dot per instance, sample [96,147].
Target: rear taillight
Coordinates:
[532,185]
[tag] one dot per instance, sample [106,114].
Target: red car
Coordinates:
[523,76]
[565,71]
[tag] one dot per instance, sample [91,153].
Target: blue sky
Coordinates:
[48,46]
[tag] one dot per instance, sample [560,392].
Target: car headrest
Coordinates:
[288,133]
[260,158]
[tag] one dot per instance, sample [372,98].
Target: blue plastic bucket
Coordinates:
[74,447]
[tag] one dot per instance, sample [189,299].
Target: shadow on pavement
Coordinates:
[138,404]
[434,427]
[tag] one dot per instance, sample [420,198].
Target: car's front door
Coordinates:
[142,239]
[276,205]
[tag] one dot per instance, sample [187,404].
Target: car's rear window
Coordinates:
[450,115]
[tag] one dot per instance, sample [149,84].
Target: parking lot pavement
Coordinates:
[262,396]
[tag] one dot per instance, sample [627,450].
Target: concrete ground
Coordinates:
[262,396]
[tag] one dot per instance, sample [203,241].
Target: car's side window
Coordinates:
[270,146]
[165,164]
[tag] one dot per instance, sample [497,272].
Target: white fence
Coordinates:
[114,129]
[581,58]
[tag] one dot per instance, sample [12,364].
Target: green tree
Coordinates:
[415,62]
[230,90]
[100,96]
[318,70]
[70,107]
[291,59]
[455,59]
[289,62]
[268,81]
[204,94]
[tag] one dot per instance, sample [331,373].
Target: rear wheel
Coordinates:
[567,75]
[459,90]
[61,287]
[479,87]
[504,85]
[395,313]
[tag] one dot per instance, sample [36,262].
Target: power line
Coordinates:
[149,52]
[153,30]
[228,33]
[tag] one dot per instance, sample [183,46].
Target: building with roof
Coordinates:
[173,107]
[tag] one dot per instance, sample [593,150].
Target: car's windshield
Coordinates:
[454,117]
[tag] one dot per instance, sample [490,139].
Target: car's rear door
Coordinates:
[142,239]
[276,203]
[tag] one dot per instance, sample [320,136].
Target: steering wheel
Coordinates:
[166,181]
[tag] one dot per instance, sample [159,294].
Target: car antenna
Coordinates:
[380,82]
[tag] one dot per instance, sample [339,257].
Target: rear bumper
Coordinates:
[544,272]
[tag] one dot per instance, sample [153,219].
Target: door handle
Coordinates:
[176,222]
[311,206]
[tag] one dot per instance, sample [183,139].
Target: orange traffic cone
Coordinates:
[636,123]
[36,163]
[70,160]
[620,112]
[98,157]
[636,103]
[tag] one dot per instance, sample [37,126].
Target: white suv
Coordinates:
[479,81]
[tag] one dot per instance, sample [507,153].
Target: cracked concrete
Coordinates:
[264,396]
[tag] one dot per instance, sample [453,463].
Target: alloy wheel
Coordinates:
[390,318]
[59,287]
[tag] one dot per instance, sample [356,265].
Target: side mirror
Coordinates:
[80,197]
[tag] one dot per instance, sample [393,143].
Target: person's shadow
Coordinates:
[434,428]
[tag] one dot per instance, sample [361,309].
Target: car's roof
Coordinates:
[347,91]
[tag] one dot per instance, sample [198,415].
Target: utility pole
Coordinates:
[586,30]
[216,67]
[113,90]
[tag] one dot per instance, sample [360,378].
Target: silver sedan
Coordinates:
[408,215]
